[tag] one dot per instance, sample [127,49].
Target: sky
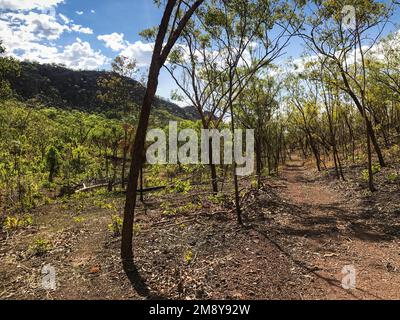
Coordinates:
[86,34]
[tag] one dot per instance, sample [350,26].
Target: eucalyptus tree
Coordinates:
[384,71]
[249,35]
[9,68]
[256,110]
[177,14]
[327,94]
[117,90]
[304,113]
[193,65]
[329,34]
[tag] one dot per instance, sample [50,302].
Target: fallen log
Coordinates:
[90,188]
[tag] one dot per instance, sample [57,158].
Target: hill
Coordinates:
[55,85]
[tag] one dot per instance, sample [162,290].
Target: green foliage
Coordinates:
[376,168]
[188,256]
[9,69]
[181,186]
[53,162]
[393,177]
[137,228]
[172,210]
[14,223]
[79,220]
[218,199]
[115,227]
[40,247]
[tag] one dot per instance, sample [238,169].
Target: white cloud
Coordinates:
[142,52]
[80,55]
[79,13]
[93,11]
[80,29]
[36,25]
[64,18]
[28,4]
[32,36]
[114,41]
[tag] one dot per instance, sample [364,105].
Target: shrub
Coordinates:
[188,257]
[393,176]
[14,223]
[40,247]
[115,226]
[182,186]
[79,220]
[137,228]
[376,168]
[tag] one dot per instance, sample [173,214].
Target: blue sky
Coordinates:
[86,34]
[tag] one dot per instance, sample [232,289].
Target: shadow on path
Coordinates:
[138,283]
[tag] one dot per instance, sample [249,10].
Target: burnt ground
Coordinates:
[300,231]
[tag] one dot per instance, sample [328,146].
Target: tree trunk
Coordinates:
[124,156]
[159,56]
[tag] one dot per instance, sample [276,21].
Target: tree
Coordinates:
[9,68]
[250,35]
[326,35]
[172,24]
[117,90]
[53,162]
[258,104]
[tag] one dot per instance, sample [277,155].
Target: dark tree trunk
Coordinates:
[160,55]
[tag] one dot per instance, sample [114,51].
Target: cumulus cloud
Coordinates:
[33,35]
[114,41]
[37,24]
[142,52]
[138,50]
[28,4]
[80,55]
[80,29]
[79,13]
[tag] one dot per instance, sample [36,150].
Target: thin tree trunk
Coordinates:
[160,55]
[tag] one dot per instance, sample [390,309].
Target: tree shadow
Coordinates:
[137,281]
[311,270]
[324,220]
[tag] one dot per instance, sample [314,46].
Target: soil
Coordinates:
[300,231]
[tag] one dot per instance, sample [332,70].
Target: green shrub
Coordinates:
[115,226]
[40,247]
[218,199]
[137,228]
[14,223]
[188,256]
[376,168]
[182,186]
[79,220]
[393,176]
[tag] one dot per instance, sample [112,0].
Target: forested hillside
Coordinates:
[57,86]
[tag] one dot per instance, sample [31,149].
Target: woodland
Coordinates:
[77,193]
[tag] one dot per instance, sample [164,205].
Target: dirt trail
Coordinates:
[326,231]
